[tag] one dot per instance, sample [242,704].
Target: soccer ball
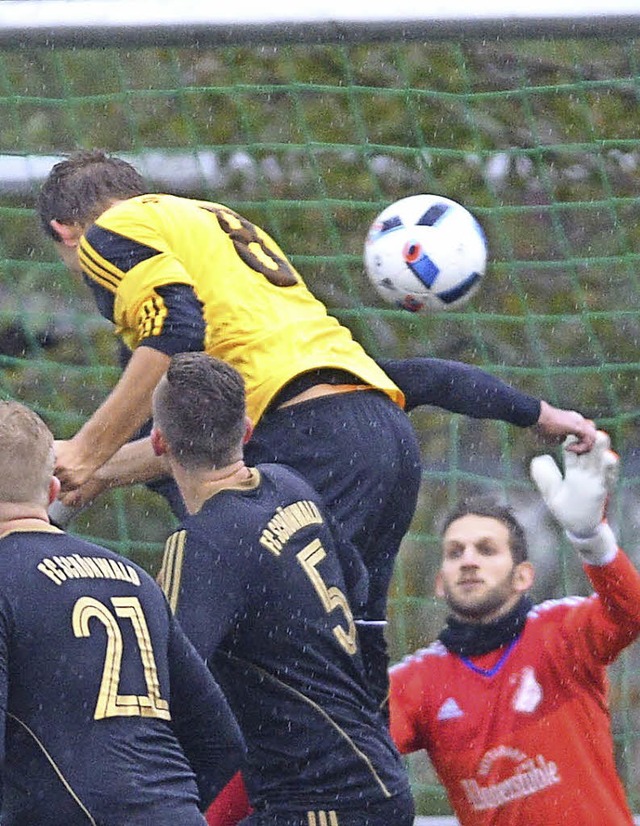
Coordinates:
[425,252]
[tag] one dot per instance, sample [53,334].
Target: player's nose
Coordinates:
[469,557]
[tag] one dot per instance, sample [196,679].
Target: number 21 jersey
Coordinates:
[92,666]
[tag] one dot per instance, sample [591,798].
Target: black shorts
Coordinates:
[360,452]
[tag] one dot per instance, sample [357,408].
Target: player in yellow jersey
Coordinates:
[176,275]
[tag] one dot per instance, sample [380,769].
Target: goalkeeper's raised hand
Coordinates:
[578,500]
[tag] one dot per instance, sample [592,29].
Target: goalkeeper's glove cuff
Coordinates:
[598,549]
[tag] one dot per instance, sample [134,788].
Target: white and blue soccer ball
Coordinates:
[425,253]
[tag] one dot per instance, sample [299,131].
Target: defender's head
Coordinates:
[199,412]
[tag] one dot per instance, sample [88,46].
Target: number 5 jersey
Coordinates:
[269,600]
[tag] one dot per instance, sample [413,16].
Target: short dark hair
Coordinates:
[492,509]
[200,408]
[78,189]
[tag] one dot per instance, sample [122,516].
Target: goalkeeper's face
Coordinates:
[478,577]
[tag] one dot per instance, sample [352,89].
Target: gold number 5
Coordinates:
[330,596]
[110,703]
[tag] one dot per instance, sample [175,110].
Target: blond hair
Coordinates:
[27,455]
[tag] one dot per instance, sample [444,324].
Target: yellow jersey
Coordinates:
[260,317]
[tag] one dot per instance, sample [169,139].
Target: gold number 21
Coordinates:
[110,703]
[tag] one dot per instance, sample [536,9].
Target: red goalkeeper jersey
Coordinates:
[522,735]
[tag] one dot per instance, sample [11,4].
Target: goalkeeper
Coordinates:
[510,703]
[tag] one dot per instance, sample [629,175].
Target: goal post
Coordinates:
[310,121]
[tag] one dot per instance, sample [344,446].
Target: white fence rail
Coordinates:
[192,22]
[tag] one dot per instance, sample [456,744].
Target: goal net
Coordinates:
[535,130]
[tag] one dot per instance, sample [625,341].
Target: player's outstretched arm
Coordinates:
[134,463]
[123,412]
[598,629]
[464,388]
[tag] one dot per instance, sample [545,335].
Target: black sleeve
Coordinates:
[461,388]
[202,719]
[183,329]
[206,612]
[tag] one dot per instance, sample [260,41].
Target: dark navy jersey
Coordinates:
[101,693]
[257,584]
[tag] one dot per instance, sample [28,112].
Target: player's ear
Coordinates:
[523,576]
[248,430]
[54,489]
[439,586]
[69,234]
[158,442]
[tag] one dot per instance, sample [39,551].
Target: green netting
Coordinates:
[538,138]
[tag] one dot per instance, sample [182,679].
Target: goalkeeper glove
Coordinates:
[579,499]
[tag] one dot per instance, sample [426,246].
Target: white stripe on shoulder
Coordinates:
[550,604]
[436,649]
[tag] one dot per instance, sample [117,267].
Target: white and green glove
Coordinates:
[578,500]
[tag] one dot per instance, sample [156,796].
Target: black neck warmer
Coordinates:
[470,639]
